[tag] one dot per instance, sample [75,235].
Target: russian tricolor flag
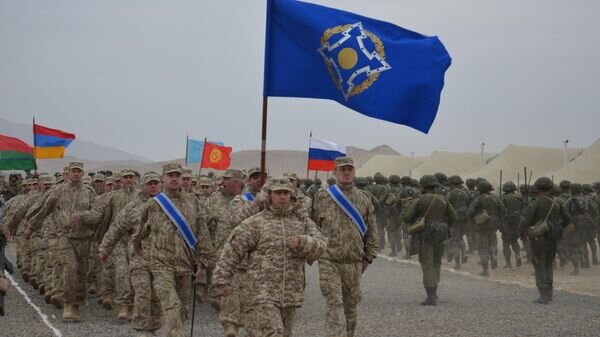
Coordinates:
[322,154]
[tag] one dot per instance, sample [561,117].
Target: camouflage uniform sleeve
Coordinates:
[312,244]
[122,224]
[205,250]
[140,230]
[564,214]
[529,217]
[97,212]
[45,208]
[240,242]
[91,195]
[451,214]
[371,238]
[473,208]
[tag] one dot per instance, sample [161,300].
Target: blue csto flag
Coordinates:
[374,67]
[195,148]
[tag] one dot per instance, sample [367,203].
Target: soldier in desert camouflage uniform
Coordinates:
[276,271]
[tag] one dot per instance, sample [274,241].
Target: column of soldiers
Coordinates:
[108,237]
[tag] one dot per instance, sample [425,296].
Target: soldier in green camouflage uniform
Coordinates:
[590,234]
[393,228]
[172,262]
[348,253]
[460,201]
[487,227]
[275,271]
[469,233]
[510,225]
[439,217]
[563,246]
[380,190]
[544,246]
[579,208]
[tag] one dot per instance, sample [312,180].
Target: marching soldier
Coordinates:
[460,201]
[510,226]
[352,247]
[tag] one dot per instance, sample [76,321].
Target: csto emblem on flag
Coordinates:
[354,56]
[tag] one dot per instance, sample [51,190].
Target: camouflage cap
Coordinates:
[204,181]
[109,180]
[186,172]
[252,171]
[87,180]
[291,175]
[46,179]
[233,173]
[344,161]
[171,168]
[117,176]
[281,184]
[149,177]
[127,172]
[99,177]
[75,165]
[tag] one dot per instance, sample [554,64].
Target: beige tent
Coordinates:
[542,161]
[389,164]
[451,163]
[583,169]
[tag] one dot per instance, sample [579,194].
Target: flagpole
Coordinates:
[34,152]
[202,156]
[308,155]
[263,144]
[187,141]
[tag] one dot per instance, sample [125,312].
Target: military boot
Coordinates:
[543,299]
[123,313]
[107,304]
[42,289]
[430,300]
[70,313]
[494,263]
[231,330]
[48,298]
[56,301]
[485,272]
[508,263]
[456,262]
[519,261]
[34,283]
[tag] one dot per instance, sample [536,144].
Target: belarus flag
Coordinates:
[322,154]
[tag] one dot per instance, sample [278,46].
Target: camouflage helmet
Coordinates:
[576,188]
[406,180]
[308,182]
[318,181]
[395,179]
[470,183]
[428,181]
[587,188]
[596,185]
[379,178]
[565,185]
[509,186]
[385,180]
[360,182]
[543,184]
[484,186]
[330,181]
[555,191]
[523,188]
[455,180]
[414,183]
[441,178]
[369,180]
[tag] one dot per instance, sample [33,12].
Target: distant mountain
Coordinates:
[80,148]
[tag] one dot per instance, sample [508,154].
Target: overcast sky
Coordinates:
[140,75]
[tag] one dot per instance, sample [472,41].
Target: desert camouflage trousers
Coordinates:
[174,291]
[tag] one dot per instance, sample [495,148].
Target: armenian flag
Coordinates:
[50,143]
[216,156]
[15,154]
[322,154]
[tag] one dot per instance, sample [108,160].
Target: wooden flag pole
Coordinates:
[187,142]
[263,144]
[202,157]
[34,152]
[308,154]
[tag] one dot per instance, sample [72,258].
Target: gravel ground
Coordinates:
[391,293]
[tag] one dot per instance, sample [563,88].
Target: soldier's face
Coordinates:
[186,183]
[280,198]
[75,174]
[255,182]
[152,188]
[204,188]
[232,185]
[128,180]
[46,187]
[108,187]
[344,174]
[172,181]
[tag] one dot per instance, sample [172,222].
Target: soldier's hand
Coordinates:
[224,292]
[293,242]
[198,274]
[75,218]
[365,266]
[4,285]
[103,257]
[27,233]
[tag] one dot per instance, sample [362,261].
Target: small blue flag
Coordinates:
[195,148]
[374,67]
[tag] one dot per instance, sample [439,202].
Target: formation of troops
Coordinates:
[140,244]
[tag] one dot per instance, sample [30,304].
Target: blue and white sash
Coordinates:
[346,206]
[178,220]
[248,196]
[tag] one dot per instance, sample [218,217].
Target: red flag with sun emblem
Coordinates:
[216,156]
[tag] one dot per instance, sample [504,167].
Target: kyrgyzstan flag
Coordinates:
[216,156]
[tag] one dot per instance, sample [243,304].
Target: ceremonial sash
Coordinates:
[346,206]
[178,220]
[248,196]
